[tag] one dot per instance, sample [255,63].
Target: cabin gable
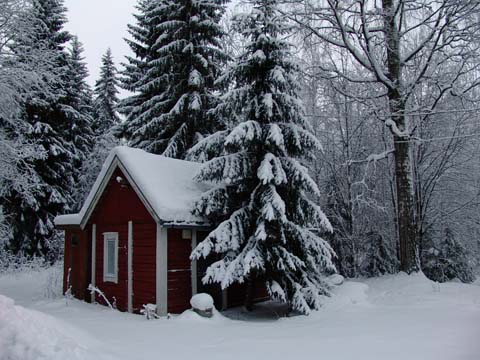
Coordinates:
[118,206]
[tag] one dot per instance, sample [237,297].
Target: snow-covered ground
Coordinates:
[393,317]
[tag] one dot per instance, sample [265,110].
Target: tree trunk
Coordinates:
[405,206]
[403,163]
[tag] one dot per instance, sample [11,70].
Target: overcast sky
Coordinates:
[100,24]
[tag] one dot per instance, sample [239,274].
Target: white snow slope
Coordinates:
[388,318]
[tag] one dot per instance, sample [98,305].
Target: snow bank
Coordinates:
[31,335]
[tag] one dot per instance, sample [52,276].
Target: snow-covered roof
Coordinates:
[165,185]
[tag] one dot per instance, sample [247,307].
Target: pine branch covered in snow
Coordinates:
[263,199]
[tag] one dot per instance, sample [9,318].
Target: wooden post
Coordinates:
[94,260]
[162,270]
[194,264]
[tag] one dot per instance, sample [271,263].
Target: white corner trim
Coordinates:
[162,270]
[112,236]
[193,264]
[94,260]
[130,268]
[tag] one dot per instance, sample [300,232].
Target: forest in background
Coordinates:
[389,89]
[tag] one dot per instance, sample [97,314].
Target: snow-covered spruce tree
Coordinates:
[105,118]
[77,104]
[78,107]
[378,259]
[177,60]
[106,96]
[270,225]
[31,217]
[447,260]
[141,78]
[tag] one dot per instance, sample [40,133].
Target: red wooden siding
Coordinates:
[179,272]
[118,205]
[77,259]
[144,264]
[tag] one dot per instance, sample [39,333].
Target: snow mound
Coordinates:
[336,279]
[202,302]
[190,316]
[31,335]
[347,294]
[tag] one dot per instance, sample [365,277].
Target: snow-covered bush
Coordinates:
[11,263]
[54,282]
[96,290]
[149,311]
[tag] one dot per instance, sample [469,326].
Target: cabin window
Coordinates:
[187,234]
[110,257]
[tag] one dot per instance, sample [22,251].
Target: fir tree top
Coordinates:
[52,15]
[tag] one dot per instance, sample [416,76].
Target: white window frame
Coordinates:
[110,236]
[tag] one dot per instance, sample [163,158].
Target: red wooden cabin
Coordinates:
[133,236]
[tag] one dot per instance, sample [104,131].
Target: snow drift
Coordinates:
[31,335]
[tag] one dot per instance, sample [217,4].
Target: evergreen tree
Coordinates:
[379,258]
[31,217]
[77,104]
[447,261]
[106,96]
[177,60]
[78,109]
[262,196]
[136,74]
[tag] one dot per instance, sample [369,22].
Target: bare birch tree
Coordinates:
[398,46]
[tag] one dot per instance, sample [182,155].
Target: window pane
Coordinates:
[111,257]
